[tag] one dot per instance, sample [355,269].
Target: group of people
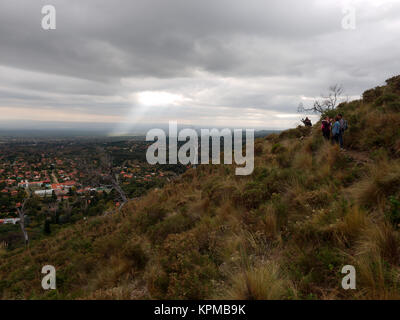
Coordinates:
[334,129]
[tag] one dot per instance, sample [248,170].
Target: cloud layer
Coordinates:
[225,62]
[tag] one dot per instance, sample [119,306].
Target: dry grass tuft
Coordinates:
[303,160]
[373,190]
[353,224]
[266,282]
[270,223]
[377,259]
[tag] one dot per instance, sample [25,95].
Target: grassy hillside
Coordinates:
[285,232]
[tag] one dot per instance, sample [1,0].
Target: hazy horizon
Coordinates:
[71,129]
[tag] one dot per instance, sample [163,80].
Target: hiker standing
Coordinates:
[307,122]
[336,131]
[343,127]
[326,128]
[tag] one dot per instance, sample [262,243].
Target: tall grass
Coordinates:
[264,282]
[382,181]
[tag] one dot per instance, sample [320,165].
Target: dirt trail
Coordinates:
[358,156]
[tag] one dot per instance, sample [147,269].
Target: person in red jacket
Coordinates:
[326,128]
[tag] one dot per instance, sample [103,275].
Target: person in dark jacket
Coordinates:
[326,128]
[307,122]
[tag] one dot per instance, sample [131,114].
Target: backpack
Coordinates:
[344,126]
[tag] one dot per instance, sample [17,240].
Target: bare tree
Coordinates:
[21,213]
[327,102]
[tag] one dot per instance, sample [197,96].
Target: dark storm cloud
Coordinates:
[150,38]
[227,55]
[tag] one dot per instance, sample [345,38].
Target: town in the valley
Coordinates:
[63,181]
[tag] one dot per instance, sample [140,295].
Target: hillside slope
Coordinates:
[285,232]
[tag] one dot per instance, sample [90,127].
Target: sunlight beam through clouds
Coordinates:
[159,98]
[145,106]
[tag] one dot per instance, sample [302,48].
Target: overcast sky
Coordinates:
[244,63]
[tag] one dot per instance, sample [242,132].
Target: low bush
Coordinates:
[134,253]
[393,214]
[176,223]
[277,148]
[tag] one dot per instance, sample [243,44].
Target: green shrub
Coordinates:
[284,159]
[217,192]
[135,254]
[253,195]
[394,105]
[329,113]
[277,148]
[394,83]
[149,216]
[318,267]
[371,95]
[390,101]
[394,213]
[258,149]
[175,224]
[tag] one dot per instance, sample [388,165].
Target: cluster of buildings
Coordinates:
[9,221]
[45,175]
[51,170]
[46,188]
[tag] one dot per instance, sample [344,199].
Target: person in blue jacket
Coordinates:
[336,130]
[343,128]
